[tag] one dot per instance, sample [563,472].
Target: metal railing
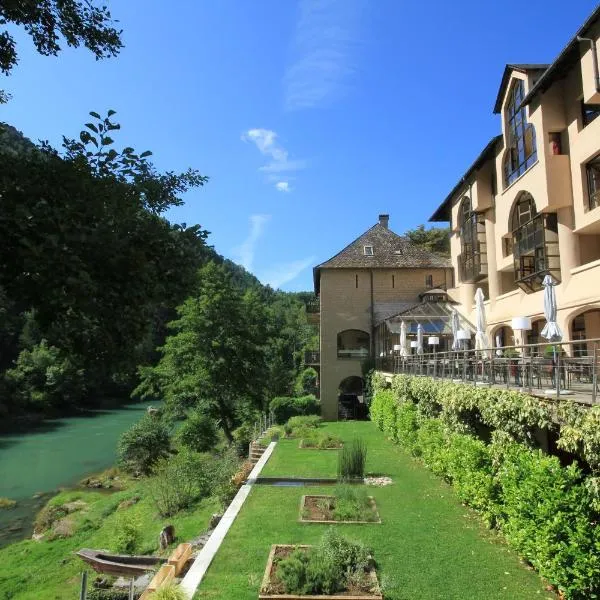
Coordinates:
[312,357]
[561,369]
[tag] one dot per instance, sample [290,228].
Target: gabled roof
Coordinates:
[565,60]
[435,317]
[508,69]
[442,213]
[390,251]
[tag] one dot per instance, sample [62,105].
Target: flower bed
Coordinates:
[273,589]
[322,509]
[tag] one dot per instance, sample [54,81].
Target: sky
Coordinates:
[310,117]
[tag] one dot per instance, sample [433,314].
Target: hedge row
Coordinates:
[284,407]
[547,512]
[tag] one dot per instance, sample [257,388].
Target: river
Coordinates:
[58,454]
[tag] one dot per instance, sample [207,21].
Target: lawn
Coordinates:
[49,570]
[428,547]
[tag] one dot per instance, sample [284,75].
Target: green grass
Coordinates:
[429,546]
[49,570]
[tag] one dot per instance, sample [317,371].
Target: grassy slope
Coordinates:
[49,570]
[429,546]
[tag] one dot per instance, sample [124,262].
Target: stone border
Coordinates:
[303,520]
[189,584]
[267,578]
[302,447]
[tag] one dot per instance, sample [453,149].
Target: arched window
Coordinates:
[521,150]
[535,244]
[353,343]
[473,256]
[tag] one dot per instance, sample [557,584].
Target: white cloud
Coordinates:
[281,274]
[279,162]
[245,251]
[283,186]
[323,48]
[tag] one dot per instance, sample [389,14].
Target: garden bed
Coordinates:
[314,445]
[321,509]
[273,589]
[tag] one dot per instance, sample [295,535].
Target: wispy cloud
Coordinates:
[283,273]
[279,165]
[245,251]
[323,50]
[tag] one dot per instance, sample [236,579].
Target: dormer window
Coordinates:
[368,250]
[521,152]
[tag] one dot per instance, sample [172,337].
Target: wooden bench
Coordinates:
[163,576]
[180,556]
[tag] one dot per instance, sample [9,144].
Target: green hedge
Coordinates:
[284,407]
[547,512]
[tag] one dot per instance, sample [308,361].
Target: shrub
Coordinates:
[352,503]
[302,423]
[242,436]
[127,534]
[170,591]
[272,434]
[283,407]
[313,438]
[141,446]
[199,432]
[181,480]
[107,594]
[306,384]
[351,460]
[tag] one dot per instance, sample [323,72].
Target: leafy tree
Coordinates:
[74,21]
[199,432]
[307,382]
[436,239]
[143,444]
[215,360]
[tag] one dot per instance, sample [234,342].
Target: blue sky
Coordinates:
[310,117]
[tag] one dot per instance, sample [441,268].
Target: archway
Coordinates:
[584,325]
[351,400]
[503,336]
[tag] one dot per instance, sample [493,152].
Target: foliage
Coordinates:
[352,459]
[78,23]
[7,503]
[306,383]
[181,480]
[243,436]
[324,569]
[435,239]
[352,503]
[198,432]
[294,424]
[126,534]
[107,594]
[314,438]
[142,445]
[272,435]
[547,512]
[284,407]
[171,591]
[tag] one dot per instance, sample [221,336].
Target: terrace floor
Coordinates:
[428,547]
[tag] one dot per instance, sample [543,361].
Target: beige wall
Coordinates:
[346,306]
[558,184]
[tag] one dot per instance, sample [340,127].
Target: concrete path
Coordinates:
[194,576]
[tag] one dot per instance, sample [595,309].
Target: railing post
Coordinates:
[83,590]
[595,374]
[558,373]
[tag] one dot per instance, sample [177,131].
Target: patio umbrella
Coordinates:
[551,331]
[481,339]
[420,339]
[455,323]
[498,345]
[403,348]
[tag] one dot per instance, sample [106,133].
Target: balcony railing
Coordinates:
[312,357]
[567,369]
[313,306]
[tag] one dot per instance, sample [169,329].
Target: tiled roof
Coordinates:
[390,251]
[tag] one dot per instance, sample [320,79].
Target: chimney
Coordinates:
[384,220]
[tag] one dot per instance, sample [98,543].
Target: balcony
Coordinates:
[313,312]
[471,268]
[312,358]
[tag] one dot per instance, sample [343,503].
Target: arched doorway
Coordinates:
[503,337]
[585,326]
[351,400]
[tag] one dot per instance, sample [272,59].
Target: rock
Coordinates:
[378,481]
[63,528]
[38,537]
[214,520]
[74,506]
[200,541]
[128,503]
[166,537]
[7,503]
[139,584]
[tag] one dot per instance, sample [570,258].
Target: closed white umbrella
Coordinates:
[551,331]
[420,339]
[403,349]
[455,324]
[481,338]
[498,345]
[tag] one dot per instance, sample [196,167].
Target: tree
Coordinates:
[215,359]
[143,444]
[199,432]
[78,23]
[436,239]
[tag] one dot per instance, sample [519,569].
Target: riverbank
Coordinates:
[48,569]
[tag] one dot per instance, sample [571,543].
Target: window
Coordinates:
[535,244]
[428,281]
[353,344]
[521,146]
[592,170]
[472,260]
[368,250]
[507,246]
[589,112]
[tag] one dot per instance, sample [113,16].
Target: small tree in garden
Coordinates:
[199,432]
[352,460]
[142,445]
[307,382]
